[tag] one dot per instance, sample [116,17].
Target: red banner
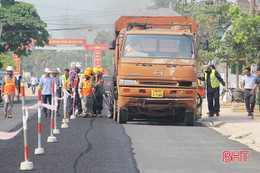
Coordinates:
[67,41]
[17,61]
[97,55]
[96,46]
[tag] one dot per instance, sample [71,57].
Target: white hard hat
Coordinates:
[47,70]
[58,70]
[78,66]
[9,68]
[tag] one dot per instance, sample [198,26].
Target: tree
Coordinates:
[22,26]
[107,62]
[6,60]
[245,35]
[103,37]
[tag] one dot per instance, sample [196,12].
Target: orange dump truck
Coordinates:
[155,68]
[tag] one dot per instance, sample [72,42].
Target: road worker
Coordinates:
[98,104]
[201,94]
[212,82]
[66,85]
[9,84]
[86,94]
[74,76]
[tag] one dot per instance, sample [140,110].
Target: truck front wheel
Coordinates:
[189,118]
[122,116]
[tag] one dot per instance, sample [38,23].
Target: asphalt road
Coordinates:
[99,145]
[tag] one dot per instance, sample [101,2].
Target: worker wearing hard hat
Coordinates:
[86,94]
[98,104]
[74,81]
[9,83]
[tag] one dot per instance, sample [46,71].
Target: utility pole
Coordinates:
[66,34]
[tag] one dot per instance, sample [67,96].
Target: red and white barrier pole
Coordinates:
[55,130]
[52,138]
[26,165]
[73,116]
[39,150]
[64,121]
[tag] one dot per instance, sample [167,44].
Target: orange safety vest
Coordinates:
[86,87]
[9,85]
[200,89]
[76,79]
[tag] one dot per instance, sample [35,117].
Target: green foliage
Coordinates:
[7,60]
[40,59]
[107,62]
[245,35]
[21,25]
[104,37]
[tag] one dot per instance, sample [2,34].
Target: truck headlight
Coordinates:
[194,84]
[127,82]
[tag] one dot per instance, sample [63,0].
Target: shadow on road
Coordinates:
[159,122]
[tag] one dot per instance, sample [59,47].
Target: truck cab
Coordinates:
[155,68]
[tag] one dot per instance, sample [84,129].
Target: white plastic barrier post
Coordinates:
[73,116]
[64,121]
[52,138]
[55,130]
[39,150]
[26,165]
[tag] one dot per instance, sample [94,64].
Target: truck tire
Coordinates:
[115,110]
[189,118]
[122,116]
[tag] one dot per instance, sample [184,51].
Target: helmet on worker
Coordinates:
[95,70]
[87,73]
[89,69]
[10,70]
[101,70]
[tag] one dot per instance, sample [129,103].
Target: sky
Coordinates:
[87,14]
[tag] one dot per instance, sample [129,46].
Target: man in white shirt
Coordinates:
[248,83]
[34,82]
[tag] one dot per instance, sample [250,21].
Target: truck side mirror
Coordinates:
[112,45]
[205,44]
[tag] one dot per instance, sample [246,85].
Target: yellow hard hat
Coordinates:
[101,70]
[90,69]
[87,73]
[95,70]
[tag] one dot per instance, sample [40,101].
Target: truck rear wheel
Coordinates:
[122,116]
[189,118]
[115,110]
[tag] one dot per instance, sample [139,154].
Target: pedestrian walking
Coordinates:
[86,94]
[46,89]
[212,82]
[248,83]
[98,105]
[34,82]
[9,84]
[74,75]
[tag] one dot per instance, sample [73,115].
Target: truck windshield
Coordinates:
[158,46]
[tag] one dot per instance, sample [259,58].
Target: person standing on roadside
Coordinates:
[9,84]
[54,73]
[46,88]
[74,76]
[34,82]
[66,78]
[248,83]
[212,82]
[60,80]
[99,93]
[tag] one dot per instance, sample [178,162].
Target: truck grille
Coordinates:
[158,83]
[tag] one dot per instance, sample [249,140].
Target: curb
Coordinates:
[233,132]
